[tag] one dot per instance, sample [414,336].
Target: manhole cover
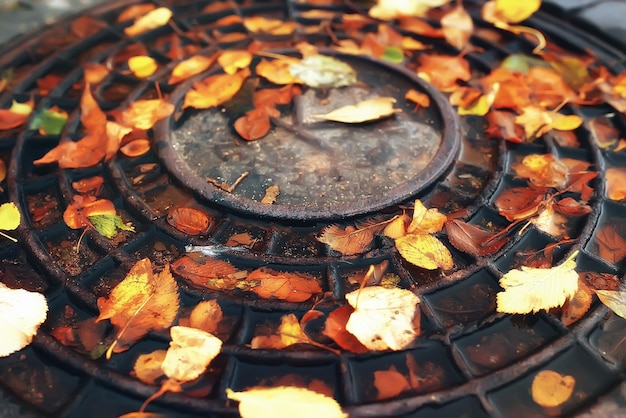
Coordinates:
[531,179]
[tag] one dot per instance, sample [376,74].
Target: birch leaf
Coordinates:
[425,251]
[22,313]
[365,111]
[190,352]
[383,318]
[141,303]
[457,27]
[615,300]
[285,402]
[533,289]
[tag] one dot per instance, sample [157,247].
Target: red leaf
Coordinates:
[335,329]
[472,239]
[520,202]
[189,220]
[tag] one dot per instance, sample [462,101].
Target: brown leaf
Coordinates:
[271,193]
[615,183]
[611,245]
[390,383]
[351,240]
[290,287]
[255,124]
[571,207]
[215,90]
[472,239]
[207,272]
[520,202]
[189,220]
[578,305]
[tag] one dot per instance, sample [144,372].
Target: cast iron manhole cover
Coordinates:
[530,180]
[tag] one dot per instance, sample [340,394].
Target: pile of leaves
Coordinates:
[521,99]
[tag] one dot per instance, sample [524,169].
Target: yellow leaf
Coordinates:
[425,251]
[550,221]
[391,9]
[457,27]
[140,303]
[206,316]
[285,402]
[289,333]
[21,314]
[425,221]
[9,216]
[514,11]
[537,121]
[550,389]
[21,108]
[397,227]
[533,289]
[365,111]
[215,90]
[232,61]
[142,66]
[481,106]
[151,20]
[190,67]
[615,300]
[565,122]
[143,114]
[190,352]
[147,367]
[383,318]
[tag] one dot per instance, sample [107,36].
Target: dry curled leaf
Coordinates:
[190,352]
[383,318]
[285,402]
[533,289]
[140,303]
[290,287]
[551,389]
[351,240]
[21,314]
[365,111]
[615,300]
[472,239]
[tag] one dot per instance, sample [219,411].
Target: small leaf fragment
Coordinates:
[322,71]
[615,300]
[142,66]
[551,389]
[365,111]
[271,193]
[151,20]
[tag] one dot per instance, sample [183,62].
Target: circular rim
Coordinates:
[443,158]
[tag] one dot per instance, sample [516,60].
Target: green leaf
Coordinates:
[49,121]
[521,63]
[9,216]
[393,54]
[107,225]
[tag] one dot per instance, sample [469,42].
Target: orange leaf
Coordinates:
[611,245]
[190,67]
[457,27]
[472,239]
[520,202]
[87,152]
[232,61]
[390,383]
[289,333]
[551,389]
[215,90]
[206,316]
[189,220]
[290,287]
[207,272]
[335,329]
[273,26]
[351,240]
[136,148]
[425,221]
[141,303]
[76,214]
[151,20]
[420,99]
[254,125]
[16,115]
[143,114]
[615,184]
[577,306]
[88,185]
[277,71]
[91,116]
[443,71]
[543,170]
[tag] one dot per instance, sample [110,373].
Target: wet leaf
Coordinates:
[189,354]
[107,225]
[290,287]
[289,333]
[49,121]
[533,289]
[16,115]
[141,303]
[390,383]
[419,98]
[271,193]
[190,67]
[351,240]
[615,183]
[206,316]
[234,60]
[335,329]
[365,111]
[147,367]
[383,318]
[392,9]
[143,114]
[615,300]
[473,240]
[321,71]
[142,66]
[260,24]
[550,221]
[520,202]
[551,389]
[136,148]
[151,20]
[215,90]
[425,251]
[611,245]
[443,71]
[208,272]
[10,216]
[22,312]
[97,213]
[577,306]
[457,26]
[189,220]
[285,402]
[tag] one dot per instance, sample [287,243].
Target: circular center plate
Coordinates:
[324,170]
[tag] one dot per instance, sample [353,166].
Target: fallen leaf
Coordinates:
[425,251]
[321,71]
[390,383]
[232,61]
[615,300]
[392,9]
[537,121]
[255,124]
[396,228]
[419,98]
[189,220]
[520,202]
[206,316]
[49,121]
[136,148]
[140,303]
[271,193]
[16,115]
[94,72]
[550,221]
[10,218]
[335,329]
[190,67]
[142,66]
[425,221]
[533,289]
[383,318]
[285,402]
[260,24]
[189,354]
[215,90]
[351,240]
[365,111]
[472,239]
[134,11]
[611,245]
[97,213]
[289,333]
[457,26]
[208,272]
[443,71]
[551,389]
[290,287]
[151,20]
[22,313]
[578,305]
[512,11]
[147,367]
[615,184]
[143,114]
[278,71]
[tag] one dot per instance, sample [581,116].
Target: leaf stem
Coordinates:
[8,236]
